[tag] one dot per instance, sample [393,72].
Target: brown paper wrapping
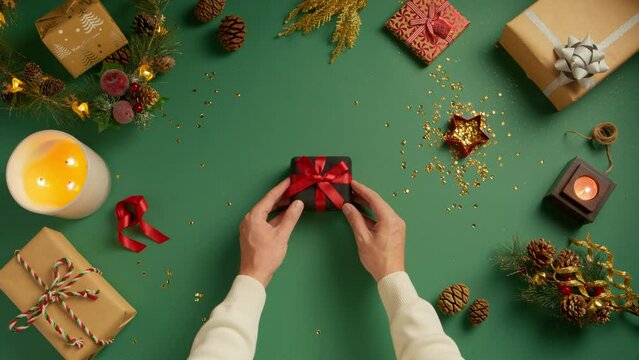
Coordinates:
[105,316]
[80,34]
[535,54]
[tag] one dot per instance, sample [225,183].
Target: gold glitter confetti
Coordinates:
[198,296]
[448,59]
[238,94]
[144,273]
[475,206]
[403,165]
[386,125]
[430,92]
[117,177]
[178,125]
[403,142]
[163,286]
[194,90]
[204,318]
[409,107]
[394,194]
[229,204]
[198,126]
[517,153]
[201,116]
[402,152]
[169,272]
[207,102]
[541,162]
[515,187]
[216,91]
[318,332]
[509,134]
[202,165]
[177,140]
[474,226]
[499,94]
[134,341]
[191,222]
[139,262]
[355,102]
[406,191]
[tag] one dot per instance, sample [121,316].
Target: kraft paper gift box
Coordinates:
[80,34]
[568,46]
[427,27]
[103,316]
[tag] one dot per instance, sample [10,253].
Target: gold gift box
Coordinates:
[105,317]
[80,34]
[524,39]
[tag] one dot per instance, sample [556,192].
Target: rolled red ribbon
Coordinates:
[311,175]
[127,218]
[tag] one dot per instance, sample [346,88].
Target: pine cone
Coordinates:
[600,316]
[10,99]
[573,307]
[478,311]
[163,64]
[541,252]
[232,32]
[567,257]
[146,96]
[52,87]
[33,74]
[144,23]
[453,299]
[207,10]
[122,56]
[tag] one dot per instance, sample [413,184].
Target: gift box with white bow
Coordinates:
[567,47]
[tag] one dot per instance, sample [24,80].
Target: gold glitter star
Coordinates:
[466,134]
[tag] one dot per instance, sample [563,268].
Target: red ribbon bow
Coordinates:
[311,174]
[126,218]
[431,24]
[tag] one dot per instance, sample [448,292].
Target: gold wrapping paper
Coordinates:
[535,53]
[105,316]
[80,34]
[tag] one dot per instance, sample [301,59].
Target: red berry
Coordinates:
[564,290]
[135,87]
[522,271]
[598,291]
[568,278]
[138,108]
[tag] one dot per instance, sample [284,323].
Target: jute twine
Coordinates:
[604,134]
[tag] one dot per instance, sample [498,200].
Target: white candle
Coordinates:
[52,173]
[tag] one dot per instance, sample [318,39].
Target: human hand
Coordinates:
[263,243]
[380,243]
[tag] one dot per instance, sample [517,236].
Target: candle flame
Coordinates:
[16,85]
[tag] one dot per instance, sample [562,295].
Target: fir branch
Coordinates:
[511,258]
[545,295]
[315,13]
[592,270]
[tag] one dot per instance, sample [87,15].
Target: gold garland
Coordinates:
[5,7]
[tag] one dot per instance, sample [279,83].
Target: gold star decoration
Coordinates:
[466,134]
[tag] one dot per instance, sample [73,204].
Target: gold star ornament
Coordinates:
[466,134]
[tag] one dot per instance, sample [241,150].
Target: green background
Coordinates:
[292,103]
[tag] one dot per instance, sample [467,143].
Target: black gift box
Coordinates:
[308,195]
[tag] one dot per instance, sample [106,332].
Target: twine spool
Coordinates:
[604,134]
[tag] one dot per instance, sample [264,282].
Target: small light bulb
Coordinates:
[41,181]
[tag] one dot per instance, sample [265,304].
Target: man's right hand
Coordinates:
[380,243]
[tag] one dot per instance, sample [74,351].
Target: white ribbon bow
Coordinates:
[579,60]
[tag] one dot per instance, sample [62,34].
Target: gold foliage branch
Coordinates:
[6,7]
[315,13]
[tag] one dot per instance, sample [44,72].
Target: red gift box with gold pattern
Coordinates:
[427,26]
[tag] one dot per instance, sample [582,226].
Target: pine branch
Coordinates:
[546,295]
[511,258]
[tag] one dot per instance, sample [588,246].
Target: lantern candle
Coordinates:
[52,173]
[585,188]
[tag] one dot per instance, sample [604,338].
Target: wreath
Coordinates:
[121,93]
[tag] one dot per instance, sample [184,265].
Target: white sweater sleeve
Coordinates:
[231,331]
[415,328]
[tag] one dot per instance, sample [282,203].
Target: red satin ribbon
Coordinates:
[127,218]
[431,24]
[311,174]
